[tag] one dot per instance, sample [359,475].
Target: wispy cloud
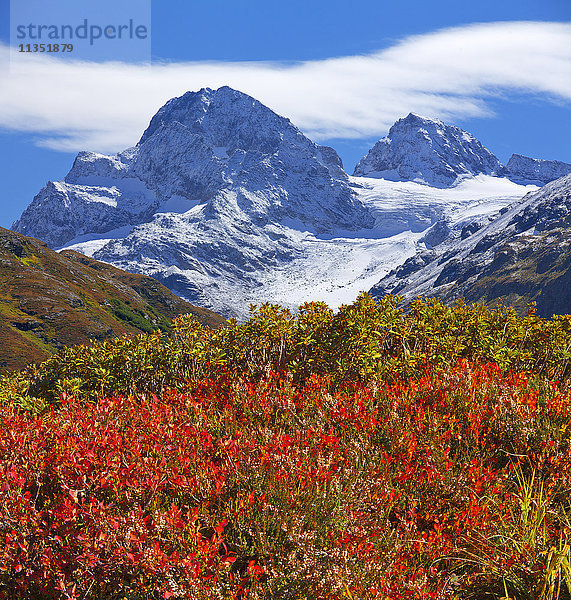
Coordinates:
[449,74]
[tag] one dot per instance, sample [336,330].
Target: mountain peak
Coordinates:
[220,152]
[427,151]
[224,117]
[414,119]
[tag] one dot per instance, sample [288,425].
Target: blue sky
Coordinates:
[342,71]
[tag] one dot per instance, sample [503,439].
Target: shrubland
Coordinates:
[362,453]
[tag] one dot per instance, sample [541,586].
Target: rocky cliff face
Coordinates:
[98,195]
[535,170]
[428,151]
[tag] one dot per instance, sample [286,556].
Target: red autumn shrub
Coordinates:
[448,486]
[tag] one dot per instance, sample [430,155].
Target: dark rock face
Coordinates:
[436,234]
[553,210]
[530,269]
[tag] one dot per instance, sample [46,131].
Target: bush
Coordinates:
[451,485]
[365,453]
[363,341]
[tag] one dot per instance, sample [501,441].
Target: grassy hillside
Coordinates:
[364,453]
[49,300]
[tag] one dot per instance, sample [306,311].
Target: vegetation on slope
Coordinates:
[365,453]
[49,300]
[533,268]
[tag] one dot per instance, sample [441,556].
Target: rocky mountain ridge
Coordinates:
[523,255]
[535,170]
[428,151]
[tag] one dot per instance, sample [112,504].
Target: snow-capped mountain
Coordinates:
[428,151]
[521,255]
[218,193]
[213,148]
[228,203]
[535,170]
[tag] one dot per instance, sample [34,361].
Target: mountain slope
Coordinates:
[532,268]
[521,256]
[428,151]
[523,168]
[234,190]
[217,149]
[50,299]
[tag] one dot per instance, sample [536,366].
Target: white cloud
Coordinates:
[449,74]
